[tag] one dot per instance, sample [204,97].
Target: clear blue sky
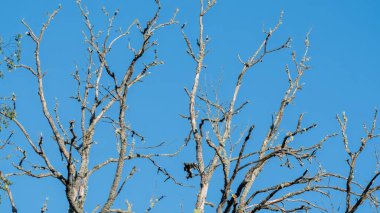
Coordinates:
[345,76]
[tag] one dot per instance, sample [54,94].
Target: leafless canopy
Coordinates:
[95,99]
[212,135]
[219,154]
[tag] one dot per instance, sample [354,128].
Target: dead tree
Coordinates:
[95,98]
[211,128]
[212,135]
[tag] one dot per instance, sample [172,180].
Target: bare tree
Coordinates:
[210,128]
[219,154]
[95,99]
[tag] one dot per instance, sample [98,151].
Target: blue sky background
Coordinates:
[344,77]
